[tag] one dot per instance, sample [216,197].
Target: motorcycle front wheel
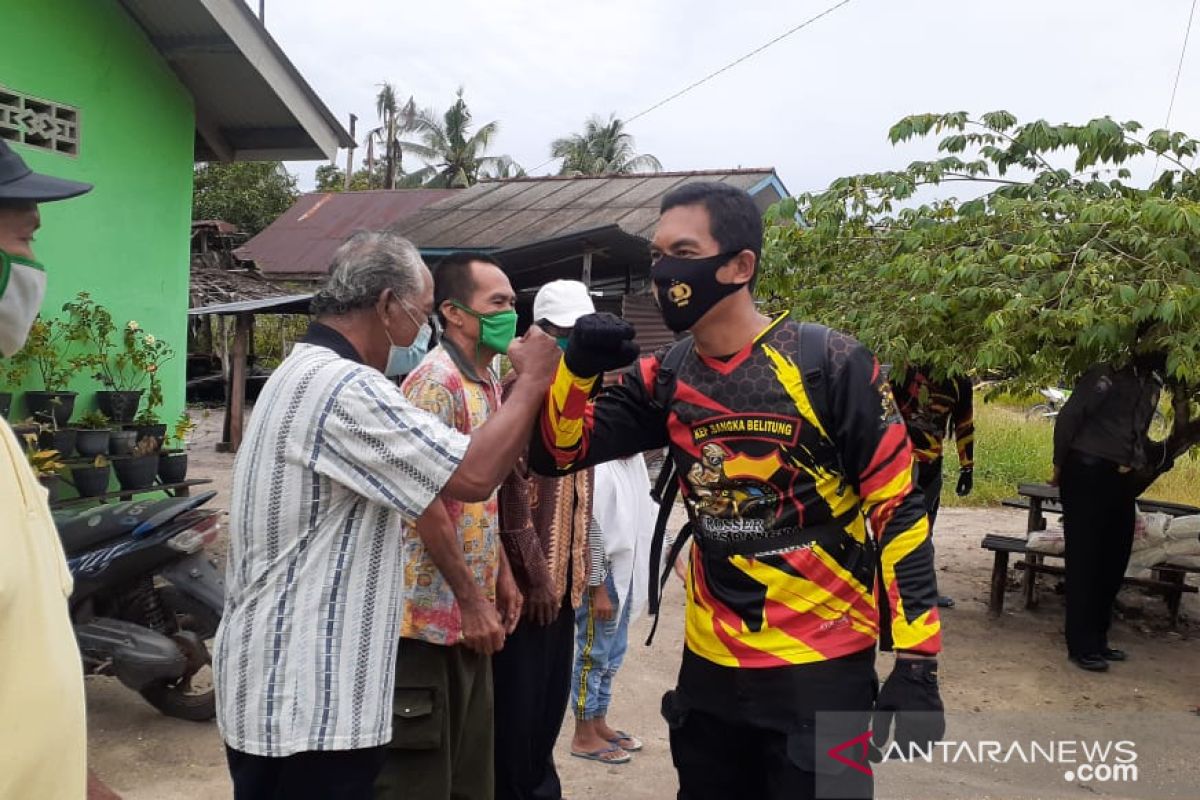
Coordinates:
[192,625]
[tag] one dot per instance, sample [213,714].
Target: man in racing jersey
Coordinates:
[930,409]
[782,610]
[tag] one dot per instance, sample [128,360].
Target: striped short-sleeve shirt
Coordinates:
[334,460]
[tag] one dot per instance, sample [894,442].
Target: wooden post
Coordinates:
[999,583]
[237,388]
[350,155]
[586,277]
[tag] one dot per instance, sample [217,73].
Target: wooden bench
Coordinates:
[1168,580]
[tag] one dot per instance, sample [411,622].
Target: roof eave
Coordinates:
[311,133]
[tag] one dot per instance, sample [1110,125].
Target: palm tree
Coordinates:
[395,119]
[454,156]
[503,168]
[604,148]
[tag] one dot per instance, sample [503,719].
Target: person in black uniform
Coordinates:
[1102,450]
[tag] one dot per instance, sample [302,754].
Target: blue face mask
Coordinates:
[403,360]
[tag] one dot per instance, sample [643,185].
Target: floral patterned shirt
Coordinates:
[445,384]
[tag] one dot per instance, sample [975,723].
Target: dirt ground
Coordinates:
[1013,663]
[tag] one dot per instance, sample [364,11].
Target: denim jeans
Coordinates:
[599,650]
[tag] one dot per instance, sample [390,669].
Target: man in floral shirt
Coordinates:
[459,599]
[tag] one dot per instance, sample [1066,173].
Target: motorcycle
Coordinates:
[1055,399]
[147,598]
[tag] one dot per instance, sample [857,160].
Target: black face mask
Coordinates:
[687,288]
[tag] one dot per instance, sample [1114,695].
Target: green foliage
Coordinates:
[453,153]
[147,416]
[183,428]
[47,351]
[1010,449]
[250,194]
[332,179]
[604,148]
[93,421]
[1050,272]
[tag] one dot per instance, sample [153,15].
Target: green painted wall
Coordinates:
[126,241]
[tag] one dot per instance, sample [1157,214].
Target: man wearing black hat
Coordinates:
[43,741]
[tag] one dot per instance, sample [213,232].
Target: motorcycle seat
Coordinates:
[84,531]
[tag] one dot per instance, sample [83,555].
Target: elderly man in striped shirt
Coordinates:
[335,460]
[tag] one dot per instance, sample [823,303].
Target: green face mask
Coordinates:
[496,331]
[562,342]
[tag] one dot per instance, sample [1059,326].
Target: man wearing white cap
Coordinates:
[544,525]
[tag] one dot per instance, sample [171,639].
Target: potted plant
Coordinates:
[52,437]
[172,464]
[121,441]
[15,375]
[116,367]
[91,478]
[46,352]
[137,471]
[172,461]
[46,464]
[93,434]
[148,426]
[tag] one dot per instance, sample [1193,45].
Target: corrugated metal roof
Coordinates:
[504,214]
[251,102]
[288,304]
[641,312]
[301,242]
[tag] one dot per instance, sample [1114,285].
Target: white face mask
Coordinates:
[22,289]
[403,360]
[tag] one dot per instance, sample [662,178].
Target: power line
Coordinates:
[733,64]
[1179,70]
[751,54]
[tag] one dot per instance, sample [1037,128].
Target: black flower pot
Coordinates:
[172,466]
[62,440]
[121,443]
[52,483]
[92,443]
[159,432]
[89,480]
[119,406]
[5,404]
[136,472]
[41,406]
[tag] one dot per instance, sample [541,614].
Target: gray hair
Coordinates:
[368,263]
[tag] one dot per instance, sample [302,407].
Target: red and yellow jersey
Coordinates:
[929,409]
[784,570]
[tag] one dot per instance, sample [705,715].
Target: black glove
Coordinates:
[966,482]
[910,694]
[600,343]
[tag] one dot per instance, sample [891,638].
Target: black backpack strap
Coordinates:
[666,486]
[814,370]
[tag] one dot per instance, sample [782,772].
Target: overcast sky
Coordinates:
[815,106]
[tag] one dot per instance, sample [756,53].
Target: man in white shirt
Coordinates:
[335,460]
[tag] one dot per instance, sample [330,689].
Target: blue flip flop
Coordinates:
[598,755]
[622,736]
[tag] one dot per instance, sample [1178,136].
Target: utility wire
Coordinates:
[737,61]
[751,54]
[1179,70]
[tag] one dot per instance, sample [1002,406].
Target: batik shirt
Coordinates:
[464,401]
[783,570]
[930,408]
